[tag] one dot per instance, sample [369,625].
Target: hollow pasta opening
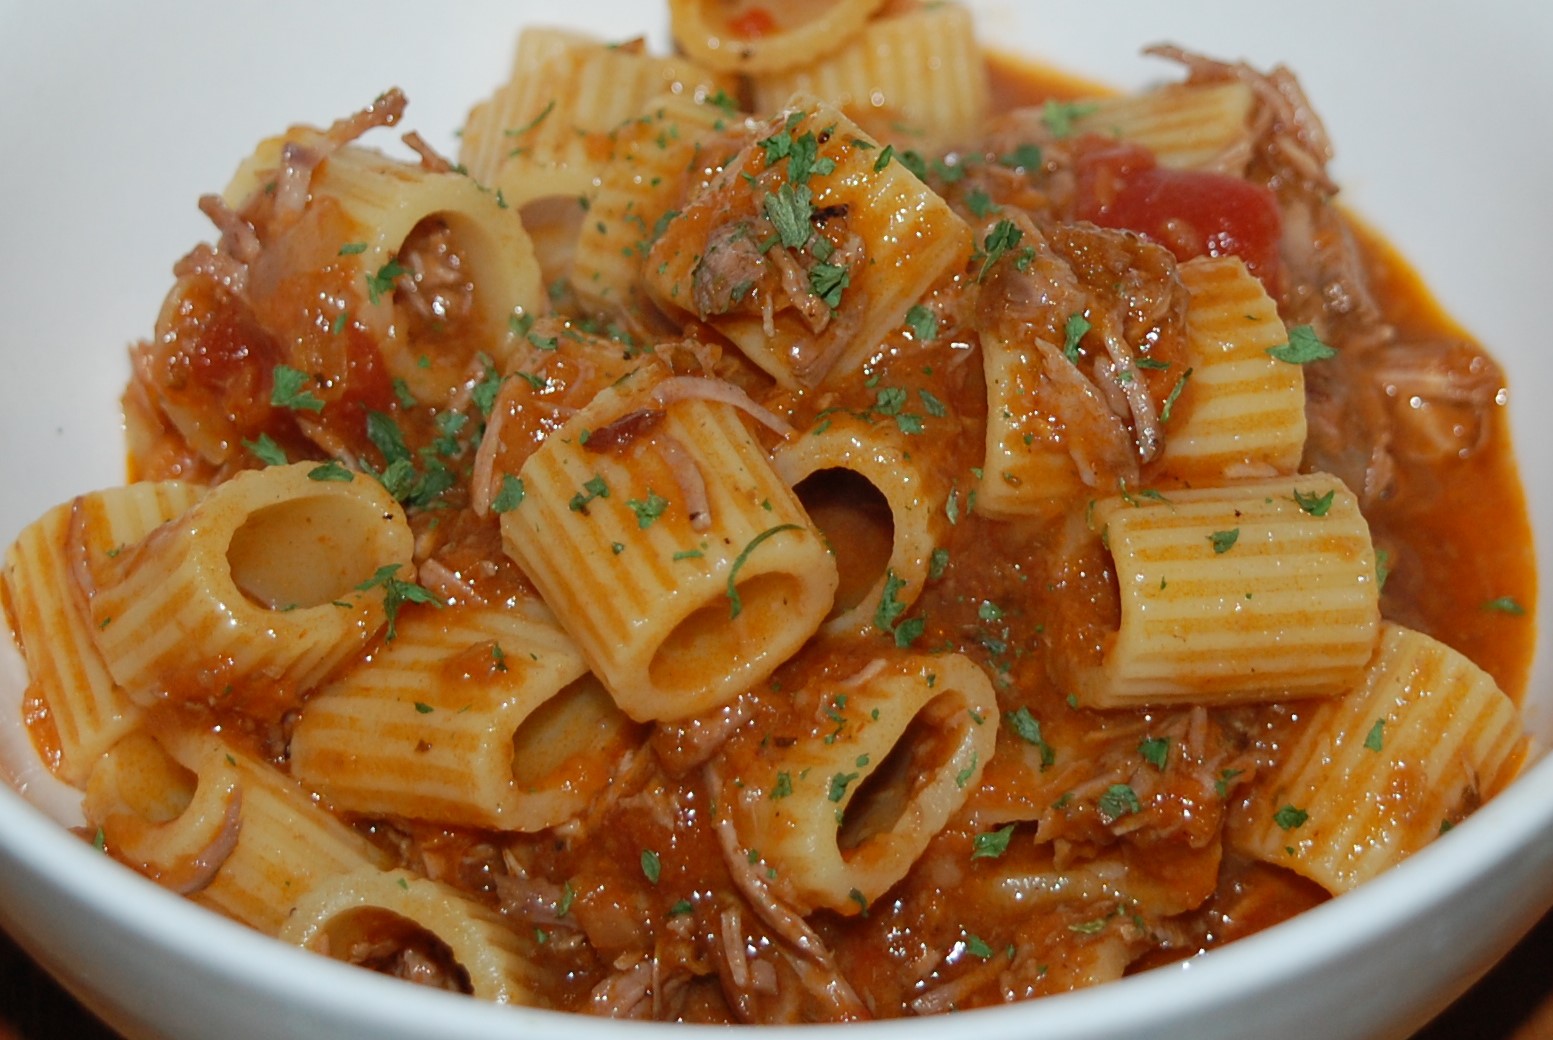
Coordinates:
[390,944]
[709,644]
[302,553]
[434,296]
[553,223]
[565,742]
[146,781]
[858,525]
[922,752]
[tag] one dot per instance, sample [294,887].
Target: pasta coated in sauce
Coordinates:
[758,537]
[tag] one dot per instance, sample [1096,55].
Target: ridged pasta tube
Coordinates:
[792,35]
[879,454]
[479,716]
[681,564]
[916,77]
[255,593]
[894,238]
[638,188]
[841,813]
[565,93]
[206,818]
[367,207]
[1262,590]
[76,711]
[368,908]
[1188,126]
[1376,774]
[1243,410]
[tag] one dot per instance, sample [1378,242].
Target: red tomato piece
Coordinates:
[1191,212]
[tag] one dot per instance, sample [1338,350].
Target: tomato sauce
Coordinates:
[646,878]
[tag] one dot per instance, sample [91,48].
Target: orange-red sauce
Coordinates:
[959,930]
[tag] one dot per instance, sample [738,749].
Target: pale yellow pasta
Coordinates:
[1256,591]
[676,613]
[367,205]
[255,593]
[477,716]
[368,908]
[916,78]
[1027,469]
[880,454]
[46,600]
[839,815]
[1190,126]
[565,93]
[785,35]
[637,191]
[909,236]
[1374,775]
[1242,412]
[207,819]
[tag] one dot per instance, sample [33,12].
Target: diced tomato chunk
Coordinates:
[1191,212]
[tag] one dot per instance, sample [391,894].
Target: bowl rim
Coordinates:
[1512,821]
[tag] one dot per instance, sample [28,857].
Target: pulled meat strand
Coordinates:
[616,436]
[196,874]
[432,161]
[239,240]
[700,388]
[687,475]
[1286,122]
[207,261]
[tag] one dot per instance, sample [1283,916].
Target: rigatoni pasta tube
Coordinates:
[368,909]
[47,580]
[1243,410]
[786,36]
[255,593]
[841,813]
[1378,773]
[637,190]
[1262,590]
[855,240]
[824,467]
[565,93]
[1188,126]
[477,716]
[668,548]
[916,77]
[373,207]
[199,815]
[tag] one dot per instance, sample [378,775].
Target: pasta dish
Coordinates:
[825,524]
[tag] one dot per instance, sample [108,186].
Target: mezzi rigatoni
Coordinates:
[335,916]
[878,453]
[363,209]
[636,191]
[1259,590]
[565,92]
[1242,412]
[1375,774]
[1190,126]
[255,593]
[782,37]
[834,823]
[853,190]
[67,676]
[209,819]
[681,564]
[481,716]
[914,77]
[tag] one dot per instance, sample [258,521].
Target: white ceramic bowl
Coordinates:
[116,117]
